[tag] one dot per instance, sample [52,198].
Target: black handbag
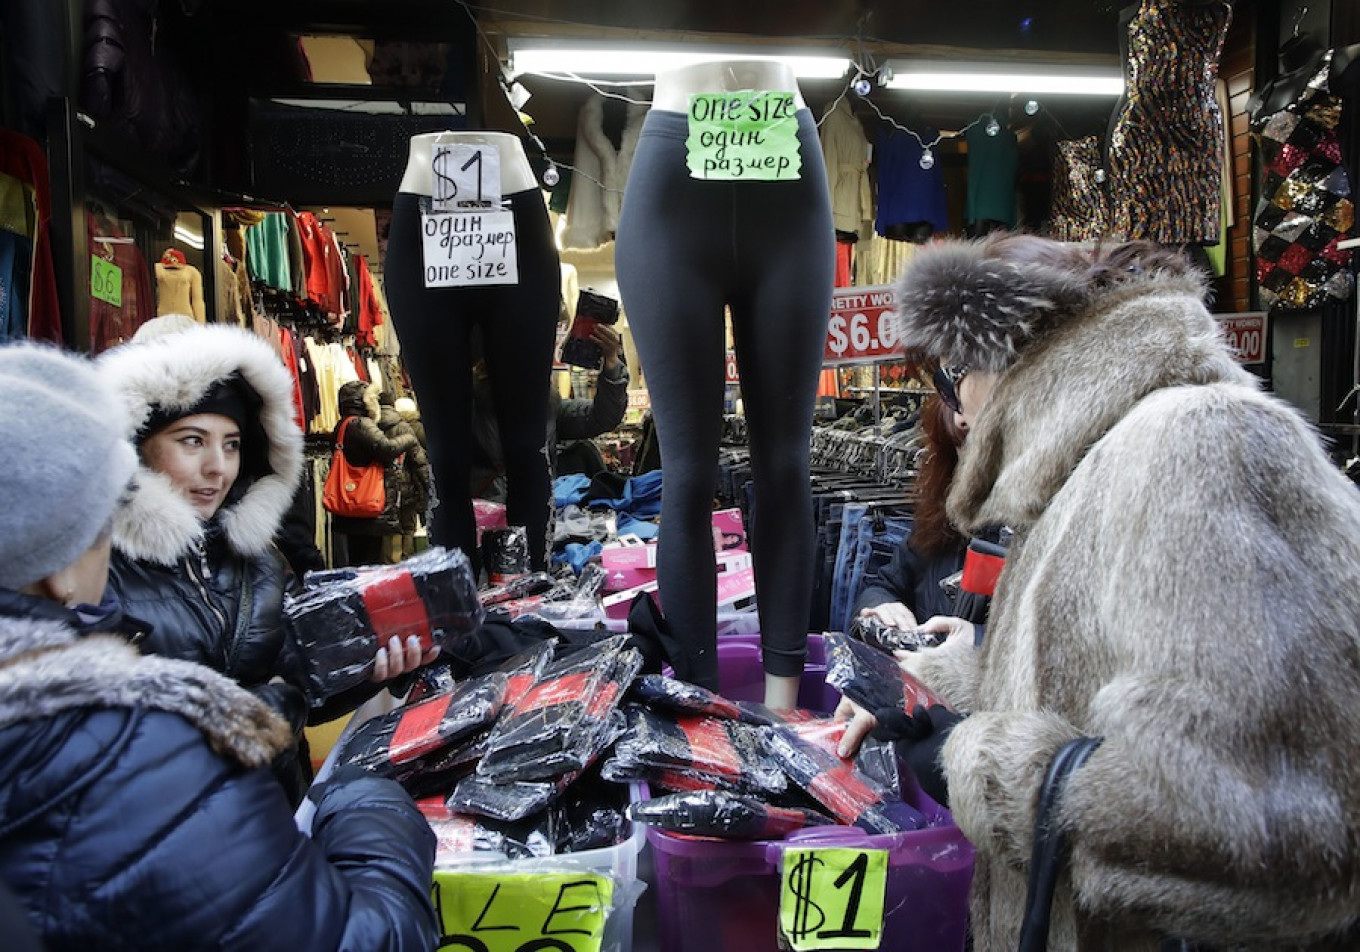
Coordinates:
[1050,850]
[1050,845]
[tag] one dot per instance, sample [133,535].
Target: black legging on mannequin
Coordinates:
[518,326]
[685,249]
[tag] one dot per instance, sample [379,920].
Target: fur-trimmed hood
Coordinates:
[958,305]
[357,398]
[1062,350]
[47,669]
[176,371]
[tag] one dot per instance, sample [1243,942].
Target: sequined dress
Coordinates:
[1080,208]
[1166,142]
[1306,203]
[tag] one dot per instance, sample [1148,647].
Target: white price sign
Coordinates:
[861,328]
[465,178]
[467,249]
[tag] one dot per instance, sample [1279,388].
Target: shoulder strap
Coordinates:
[1049,844]
[340,436]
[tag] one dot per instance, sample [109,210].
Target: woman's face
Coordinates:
[973,390]
[201,454]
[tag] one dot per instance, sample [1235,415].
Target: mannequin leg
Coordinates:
[518,336]
[671,264]
[779,325]
[681,346]
[434,327]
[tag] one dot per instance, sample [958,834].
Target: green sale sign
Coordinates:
[750,135]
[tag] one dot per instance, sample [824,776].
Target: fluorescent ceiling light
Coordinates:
[634,59]
[942,76]
[191,238]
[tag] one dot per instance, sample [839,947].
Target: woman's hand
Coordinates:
[394,660]
[861,723]
[947,625]
[893,614]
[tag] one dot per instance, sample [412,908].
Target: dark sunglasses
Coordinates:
[946,380]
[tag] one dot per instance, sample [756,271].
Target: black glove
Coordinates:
[919,737]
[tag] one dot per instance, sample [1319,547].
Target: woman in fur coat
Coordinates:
[1185,584]
[211,414]
[135,810]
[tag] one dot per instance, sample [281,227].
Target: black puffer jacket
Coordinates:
[366,444]
[134,815]
[413,473]
[218,609]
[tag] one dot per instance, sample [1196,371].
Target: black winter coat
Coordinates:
[914,580]
[192,611]
[134,815]
[412,472]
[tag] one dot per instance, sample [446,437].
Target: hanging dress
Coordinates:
[1080,208]
[1306,203]
[1166,142]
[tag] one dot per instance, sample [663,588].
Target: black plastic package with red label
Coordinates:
[341,620]
[412,737]
[729,753]
[847,794]
[872,679]
[559,724]
[662,693]
[726,815]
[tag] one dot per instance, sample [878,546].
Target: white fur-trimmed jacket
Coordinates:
[1185,584]
[601,172]
[184,578]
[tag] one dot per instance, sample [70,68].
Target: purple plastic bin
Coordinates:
[719,896]
[742,678]
[716,896]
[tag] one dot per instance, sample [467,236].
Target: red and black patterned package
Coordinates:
[515,800]
[725,815]
[669,694]
[728,752]
[341,620]
[534,583]
[561,722]
[396,743]
[658,778]
[877,633]
[872,679]
[847,794]
[458,833]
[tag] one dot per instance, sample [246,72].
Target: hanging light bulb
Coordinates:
[551,176]
[1099,176]
[927,159]
[862,86]
[993,128]
[1031,107]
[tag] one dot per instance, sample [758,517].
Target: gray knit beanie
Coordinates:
[69,460]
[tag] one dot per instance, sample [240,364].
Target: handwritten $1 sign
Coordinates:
[861,328]
[491,911]
[832,898]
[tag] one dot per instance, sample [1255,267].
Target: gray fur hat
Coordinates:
[973,304]
[70,461]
